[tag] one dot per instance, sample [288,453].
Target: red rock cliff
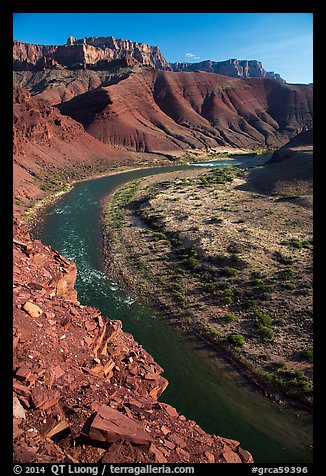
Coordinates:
[232,67]
[84,53]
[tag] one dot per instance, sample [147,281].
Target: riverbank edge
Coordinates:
[121,272]
[29,213]
[40,203]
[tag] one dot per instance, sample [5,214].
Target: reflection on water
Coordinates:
[202,386]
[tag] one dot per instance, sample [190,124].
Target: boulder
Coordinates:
[18,410]
[110,425]
[32,309]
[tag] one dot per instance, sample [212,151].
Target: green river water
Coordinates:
[203,387]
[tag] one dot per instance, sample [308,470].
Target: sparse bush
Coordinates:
[228,295]
[307,354]
[158,236]
[265,332]
[236,340]
[189,256]
[280,364]
[263,319]
[250,303]
[176,242]
[282,259]
[296,243]
[216,219]
[46,186]
[266,288]
[289,286]
[281,321]
[232,248]
[230,317]
[287,273]
[230,272]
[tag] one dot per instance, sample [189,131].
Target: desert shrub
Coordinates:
[176,242]
[228,292]
[230,317]
[289,286]
[296,243]
[250,303]
[265,332]
[280,364]
[281,321]
[46,186]
[189,256]
[287,273]
[236,340]
[266,288]
[307,354]
[212,287]
[232,248]
[230,272]
[282,258]
[216,219]
[158,236]
[263,318]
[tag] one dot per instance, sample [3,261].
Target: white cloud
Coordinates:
[191,55]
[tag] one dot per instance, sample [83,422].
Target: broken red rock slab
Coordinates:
[90,326]
[210,457]
[158,455]
[23,454]
[110,425]
[123,451]
[18,409]
[231,457]
[23,373]
[104,370]
[32,309]
[21,389]
[245,455]
[44,398]
[58,372]
[172,412]
[39,259]
[159,389]
[57,429]
[100,320]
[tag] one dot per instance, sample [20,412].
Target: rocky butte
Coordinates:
[85,53]
[232,67]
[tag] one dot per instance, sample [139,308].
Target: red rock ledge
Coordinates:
[84,390]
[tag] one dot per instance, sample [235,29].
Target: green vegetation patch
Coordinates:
[307,354]
[236,340]
[296,243]
[188,255]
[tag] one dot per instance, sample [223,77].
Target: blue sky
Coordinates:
[282,41]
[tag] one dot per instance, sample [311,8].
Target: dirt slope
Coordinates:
[51,149]
[155,110]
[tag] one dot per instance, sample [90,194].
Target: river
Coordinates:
[203,387]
